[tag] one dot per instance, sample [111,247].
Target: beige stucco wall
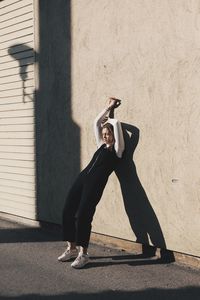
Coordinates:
[147,53]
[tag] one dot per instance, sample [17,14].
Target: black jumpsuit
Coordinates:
[85,194]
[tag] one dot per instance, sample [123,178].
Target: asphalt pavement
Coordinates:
[29,270]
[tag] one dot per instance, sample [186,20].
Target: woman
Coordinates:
[88,188]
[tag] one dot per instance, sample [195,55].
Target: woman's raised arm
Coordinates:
[97,125]
[119,137]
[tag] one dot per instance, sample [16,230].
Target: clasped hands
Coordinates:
[113,103]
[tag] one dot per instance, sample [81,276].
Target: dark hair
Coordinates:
[109,127]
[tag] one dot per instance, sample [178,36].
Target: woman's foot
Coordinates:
[68,254]
[81,260]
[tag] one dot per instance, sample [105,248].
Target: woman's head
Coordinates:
[108,134]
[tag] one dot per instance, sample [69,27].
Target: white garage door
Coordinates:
[17,159]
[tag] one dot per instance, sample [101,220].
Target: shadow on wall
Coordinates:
[25,57]
[57,137]
[142,217]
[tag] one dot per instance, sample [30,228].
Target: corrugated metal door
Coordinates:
[17,159]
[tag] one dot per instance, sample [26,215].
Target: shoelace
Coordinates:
[79,257]
[70,250]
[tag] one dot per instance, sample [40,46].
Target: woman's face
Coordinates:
[107,136]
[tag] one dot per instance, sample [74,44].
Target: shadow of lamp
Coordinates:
[25,57]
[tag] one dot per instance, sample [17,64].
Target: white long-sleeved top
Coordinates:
[118,133]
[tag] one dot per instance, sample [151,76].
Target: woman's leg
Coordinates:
[69,212]
[69,226]
[91,195]
[83,250]
[71,245]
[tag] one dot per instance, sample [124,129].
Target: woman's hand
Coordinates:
[113,103]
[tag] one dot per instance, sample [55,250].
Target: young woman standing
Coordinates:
[88,188]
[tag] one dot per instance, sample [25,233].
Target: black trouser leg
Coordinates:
[70,209]
[91,196]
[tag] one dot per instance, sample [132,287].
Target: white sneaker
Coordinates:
[68,254]
[80,261]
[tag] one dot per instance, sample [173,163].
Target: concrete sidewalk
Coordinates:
[29,270]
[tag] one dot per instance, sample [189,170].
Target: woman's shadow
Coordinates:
[142,217]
